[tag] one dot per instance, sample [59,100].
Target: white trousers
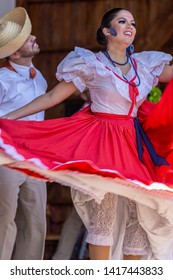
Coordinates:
[22,216]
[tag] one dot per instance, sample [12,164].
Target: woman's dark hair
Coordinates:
[106,22]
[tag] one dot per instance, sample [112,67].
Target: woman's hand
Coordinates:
[5,117]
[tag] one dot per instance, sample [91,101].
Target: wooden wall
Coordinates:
[60,25]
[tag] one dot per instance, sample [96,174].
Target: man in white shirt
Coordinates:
[23,200]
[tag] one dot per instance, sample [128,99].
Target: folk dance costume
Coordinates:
[104,153]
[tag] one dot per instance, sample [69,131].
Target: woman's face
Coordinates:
[124,24]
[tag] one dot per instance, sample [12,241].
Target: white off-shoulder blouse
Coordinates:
[108,93]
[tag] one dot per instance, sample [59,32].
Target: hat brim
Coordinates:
[20,16]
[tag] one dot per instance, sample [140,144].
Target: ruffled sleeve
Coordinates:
[153,62]
[77,67]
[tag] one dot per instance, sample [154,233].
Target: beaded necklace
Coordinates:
[132,63]
[113,61]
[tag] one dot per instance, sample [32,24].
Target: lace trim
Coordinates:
[135,239]
[99,240]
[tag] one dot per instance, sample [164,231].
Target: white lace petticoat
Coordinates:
[102,218]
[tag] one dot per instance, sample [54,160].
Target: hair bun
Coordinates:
[100,37]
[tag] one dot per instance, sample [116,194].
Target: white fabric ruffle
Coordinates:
[82,67]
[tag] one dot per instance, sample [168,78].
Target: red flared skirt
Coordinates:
[94,145]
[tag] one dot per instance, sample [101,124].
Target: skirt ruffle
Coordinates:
[86,147]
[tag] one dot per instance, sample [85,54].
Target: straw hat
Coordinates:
[15,28]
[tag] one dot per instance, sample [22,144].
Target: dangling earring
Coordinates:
[130,49]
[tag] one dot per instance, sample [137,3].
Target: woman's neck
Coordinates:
[118,56]
[117,62]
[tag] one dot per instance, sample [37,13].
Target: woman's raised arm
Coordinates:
[167,74]
[55,96]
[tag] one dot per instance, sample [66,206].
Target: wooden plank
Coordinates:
[159,33]
[53,237]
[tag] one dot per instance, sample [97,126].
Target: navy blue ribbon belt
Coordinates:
[141,135]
